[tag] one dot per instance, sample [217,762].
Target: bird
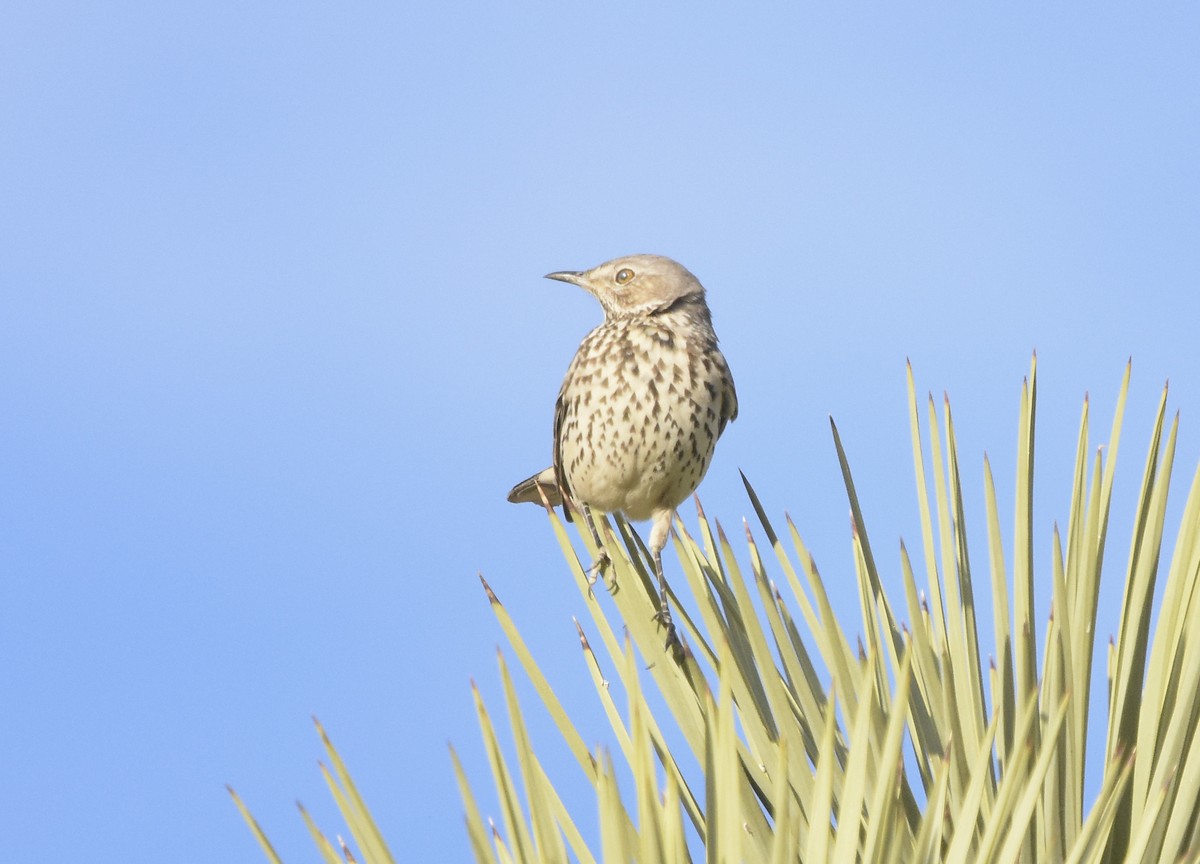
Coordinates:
[641,406]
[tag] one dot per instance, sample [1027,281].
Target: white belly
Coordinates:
[638,435]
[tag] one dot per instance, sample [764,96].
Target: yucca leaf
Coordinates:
[570,735]
[475,829]
[267,848]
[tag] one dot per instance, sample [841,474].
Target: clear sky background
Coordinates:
[274,343]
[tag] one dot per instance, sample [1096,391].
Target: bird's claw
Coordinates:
[663,617]
[597,569]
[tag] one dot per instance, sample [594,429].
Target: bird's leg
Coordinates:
[601,562]
[663,615]
[658,540]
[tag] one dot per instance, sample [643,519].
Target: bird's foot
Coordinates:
[597,569]
[663,617]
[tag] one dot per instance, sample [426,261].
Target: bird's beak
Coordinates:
[575,277]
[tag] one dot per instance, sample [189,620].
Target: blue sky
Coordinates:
[274,343]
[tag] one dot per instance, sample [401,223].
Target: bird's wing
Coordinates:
[729,400]
[560,476]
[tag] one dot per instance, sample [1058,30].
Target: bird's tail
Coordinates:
[541,488]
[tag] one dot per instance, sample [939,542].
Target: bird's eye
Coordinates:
[624,275]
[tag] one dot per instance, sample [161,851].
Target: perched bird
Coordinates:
[642,404]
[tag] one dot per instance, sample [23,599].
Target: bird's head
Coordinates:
[636,285]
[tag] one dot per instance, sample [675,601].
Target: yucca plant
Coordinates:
[780,740]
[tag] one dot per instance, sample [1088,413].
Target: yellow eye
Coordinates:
[624,275]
